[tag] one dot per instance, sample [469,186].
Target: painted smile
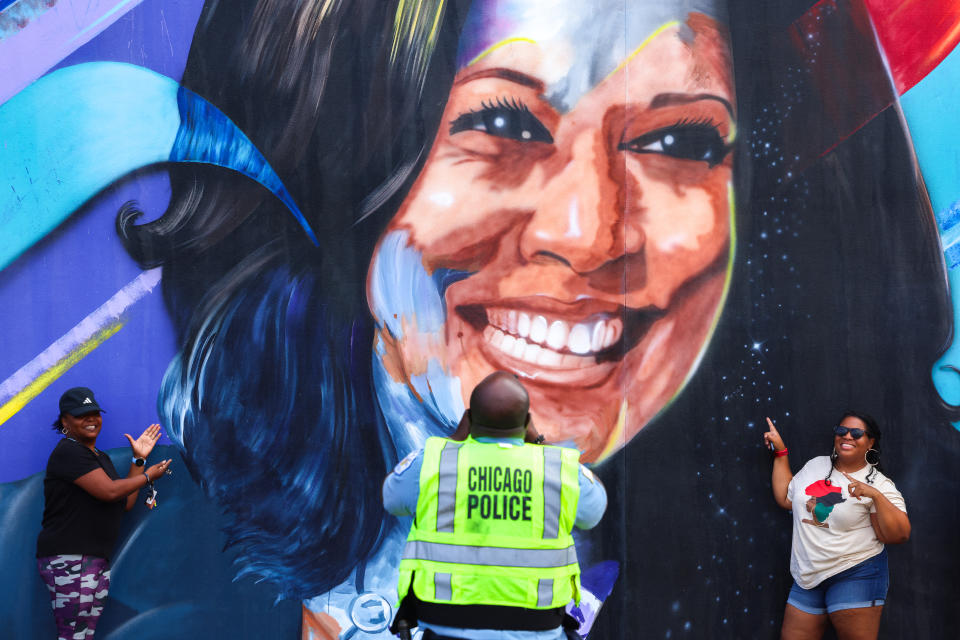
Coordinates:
[549,345]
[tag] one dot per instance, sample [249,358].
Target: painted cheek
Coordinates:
[684,223]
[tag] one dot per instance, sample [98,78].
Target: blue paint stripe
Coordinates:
[81,128]
[930,109]
[72,133]
[207,135]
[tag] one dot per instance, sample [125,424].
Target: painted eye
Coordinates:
[503,119]
[700,142]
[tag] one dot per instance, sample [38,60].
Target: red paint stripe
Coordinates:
[916,35]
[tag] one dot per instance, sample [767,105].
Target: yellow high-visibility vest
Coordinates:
[493,526]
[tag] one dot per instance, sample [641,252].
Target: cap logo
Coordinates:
[87,401]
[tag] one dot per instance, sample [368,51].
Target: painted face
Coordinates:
[85,428]
[850,450]
[575,233]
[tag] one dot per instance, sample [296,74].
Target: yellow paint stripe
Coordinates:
[483,54]
[647,40]
[435,27]
[48,377]
[616,439]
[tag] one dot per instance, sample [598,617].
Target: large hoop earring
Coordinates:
[834,455]
[872,460]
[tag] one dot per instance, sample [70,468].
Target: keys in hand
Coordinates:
[151,500]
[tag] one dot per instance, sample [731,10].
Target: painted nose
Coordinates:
[580,219]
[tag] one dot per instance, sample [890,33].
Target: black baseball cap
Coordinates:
[78,401]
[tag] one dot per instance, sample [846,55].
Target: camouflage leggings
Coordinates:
[78,586]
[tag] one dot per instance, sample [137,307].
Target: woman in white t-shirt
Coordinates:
[844,512]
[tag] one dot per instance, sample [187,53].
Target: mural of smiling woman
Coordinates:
[577,199]
[373,204]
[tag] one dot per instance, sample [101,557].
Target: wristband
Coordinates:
[781,453]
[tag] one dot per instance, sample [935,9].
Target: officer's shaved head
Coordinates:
[499,402]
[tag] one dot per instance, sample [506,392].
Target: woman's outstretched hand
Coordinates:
[772,437]
[143,445]
[156,471]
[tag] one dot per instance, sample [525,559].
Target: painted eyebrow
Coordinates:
[668,99]
[506,74]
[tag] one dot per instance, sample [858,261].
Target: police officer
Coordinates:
[490,555]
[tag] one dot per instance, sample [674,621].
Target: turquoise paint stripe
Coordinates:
[72,133]
[930,109]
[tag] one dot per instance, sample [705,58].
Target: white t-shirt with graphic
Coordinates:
[832,531]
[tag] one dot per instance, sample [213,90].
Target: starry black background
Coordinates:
[838,301]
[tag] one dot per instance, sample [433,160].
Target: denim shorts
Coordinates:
[863,585]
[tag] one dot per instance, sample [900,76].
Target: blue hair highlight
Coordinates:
[297,473]
[207,135]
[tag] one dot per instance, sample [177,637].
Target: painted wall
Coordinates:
[297,234]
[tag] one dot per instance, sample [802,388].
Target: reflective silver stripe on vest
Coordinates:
[552,484]
[447,490]
[544,592]
[441,586]
[489,556]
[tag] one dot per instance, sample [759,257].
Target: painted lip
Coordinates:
[551,341]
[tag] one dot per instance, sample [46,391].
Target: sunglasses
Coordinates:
[841,431]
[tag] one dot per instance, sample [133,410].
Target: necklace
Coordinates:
[95,450]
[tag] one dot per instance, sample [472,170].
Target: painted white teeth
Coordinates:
[532,352]
[519,347]
[549,358]
[557,335]
[523,325]
[599,332]
[611,335]
[579,341]
[538,329]
[514,332]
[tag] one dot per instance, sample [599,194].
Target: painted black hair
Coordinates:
[270,397]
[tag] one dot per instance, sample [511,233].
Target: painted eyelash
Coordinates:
[509,104]
[704,122]
[707,121]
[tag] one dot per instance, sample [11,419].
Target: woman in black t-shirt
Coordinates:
[84,500]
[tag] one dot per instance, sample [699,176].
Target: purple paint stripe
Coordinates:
[33,47]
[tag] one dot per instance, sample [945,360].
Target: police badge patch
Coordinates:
[404,464]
